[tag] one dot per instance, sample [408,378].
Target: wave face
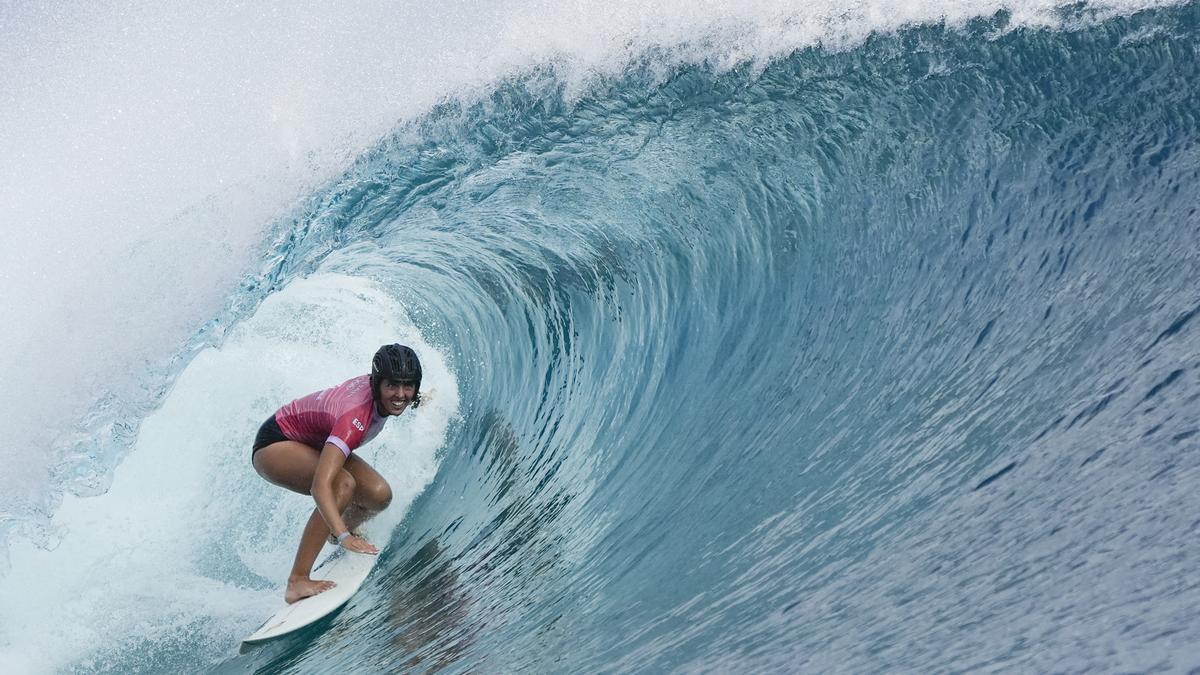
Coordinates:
[867,360]
[875,360]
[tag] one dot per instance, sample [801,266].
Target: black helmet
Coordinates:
[398,363]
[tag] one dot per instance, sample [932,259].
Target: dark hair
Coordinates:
[398,363]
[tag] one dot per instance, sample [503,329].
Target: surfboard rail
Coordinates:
[346,568]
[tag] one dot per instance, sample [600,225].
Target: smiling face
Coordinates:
[394,397]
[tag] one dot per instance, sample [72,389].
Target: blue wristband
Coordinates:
[343,536]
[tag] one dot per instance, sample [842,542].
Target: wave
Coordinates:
[875,357]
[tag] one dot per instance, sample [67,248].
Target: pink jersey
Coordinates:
[344,415]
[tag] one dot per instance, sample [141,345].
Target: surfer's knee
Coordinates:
[375,497]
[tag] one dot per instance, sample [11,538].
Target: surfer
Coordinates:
[307,446]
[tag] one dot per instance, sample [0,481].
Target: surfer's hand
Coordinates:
[359,545]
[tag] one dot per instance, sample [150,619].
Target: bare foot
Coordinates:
[299,588]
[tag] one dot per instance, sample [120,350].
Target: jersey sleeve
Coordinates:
[349,429]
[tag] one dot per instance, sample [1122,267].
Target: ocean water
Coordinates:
[847,338]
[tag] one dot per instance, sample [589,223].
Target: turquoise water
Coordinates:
[879,359]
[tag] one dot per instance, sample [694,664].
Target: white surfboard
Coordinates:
[347,569]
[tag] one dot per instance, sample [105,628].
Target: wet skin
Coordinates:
[347,491]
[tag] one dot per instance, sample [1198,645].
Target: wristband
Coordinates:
[343,536]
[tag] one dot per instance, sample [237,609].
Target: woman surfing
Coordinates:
[308,446]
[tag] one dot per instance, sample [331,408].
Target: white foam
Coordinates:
[189,536]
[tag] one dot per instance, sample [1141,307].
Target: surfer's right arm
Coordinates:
[329,469]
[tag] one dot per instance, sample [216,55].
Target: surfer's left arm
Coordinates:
[330,469]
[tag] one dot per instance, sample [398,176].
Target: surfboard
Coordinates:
[346,568]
